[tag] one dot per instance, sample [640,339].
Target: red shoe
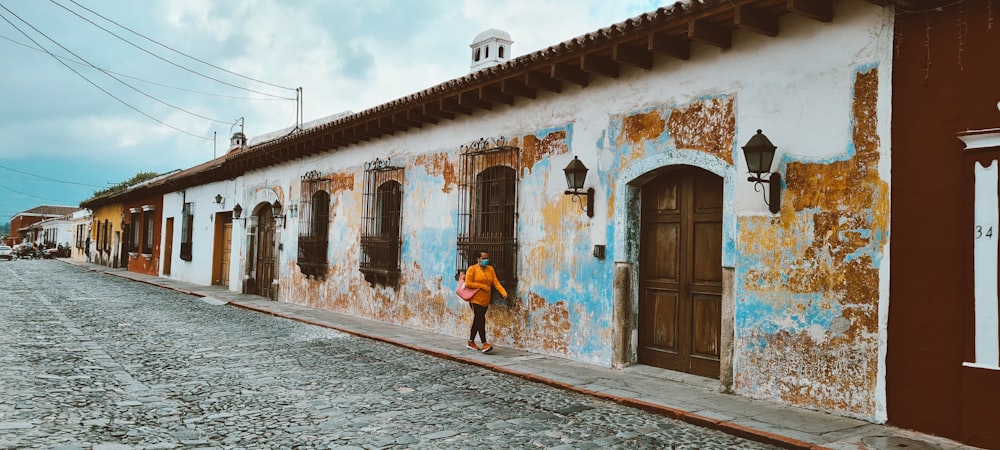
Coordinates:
[471,345]
[487,348]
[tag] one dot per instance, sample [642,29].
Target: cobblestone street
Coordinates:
[95,361]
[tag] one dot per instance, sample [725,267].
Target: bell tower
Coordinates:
[490,48]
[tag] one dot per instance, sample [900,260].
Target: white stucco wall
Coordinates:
[199,269]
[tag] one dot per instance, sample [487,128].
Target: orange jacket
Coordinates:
[484,279]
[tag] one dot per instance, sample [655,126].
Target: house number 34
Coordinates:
[987,233]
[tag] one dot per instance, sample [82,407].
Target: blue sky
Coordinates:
[62,138]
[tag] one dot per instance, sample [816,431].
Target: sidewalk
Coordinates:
[681,396]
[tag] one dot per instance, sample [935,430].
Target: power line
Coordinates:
[47,178]
[162,58]
[174,50]
[84,77]
[119,80]
[144,80]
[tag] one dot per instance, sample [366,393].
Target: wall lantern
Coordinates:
[759,153]
[220,200]
[237,212]
[275,211]
[576,174]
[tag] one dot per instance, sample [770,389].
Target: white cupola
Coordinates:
[238,141]
[490,48]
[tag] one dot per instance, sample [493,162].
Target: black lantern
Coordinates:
[237,212]
[759,153]
[275,211]
[576,175]
[219,200]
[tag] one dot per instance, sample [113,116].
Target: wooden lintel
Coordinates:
[600,64]
[750,18]
[572,74]
[345,137]
[418,115]
[710,33]
[670,46]
[390,124]
[513,87]
[451,105]
[369,130]
[377,128]
[471,99]
[493,94]
[821,10]
[403,120]
[434,110]
[538,81]
[638,57]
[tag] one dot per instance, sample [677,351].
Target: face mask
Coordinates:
[484,262]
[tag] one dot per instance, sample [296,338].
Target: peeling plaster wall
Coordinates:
[806,286]
[808,307]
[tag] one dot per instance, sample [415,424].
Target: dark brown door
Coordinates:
[680,272]
[168,245]
[265,253]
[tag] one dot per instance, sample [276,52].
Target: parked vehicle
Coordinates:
[26,250]
[6,252]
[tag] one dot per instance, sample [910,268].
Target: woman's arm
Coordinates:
[498,286]
[470,281]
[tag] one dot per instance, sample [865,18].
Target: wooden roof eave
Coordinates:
[666,31]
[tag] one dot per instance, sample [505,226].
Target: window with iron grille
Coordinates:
[314,224]
[107,236]
[133,232]
[80,238]
[187,230]
[147,233]
[487,208]
[380,229]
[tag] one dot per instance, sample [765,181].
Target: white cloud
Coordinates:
[345,54]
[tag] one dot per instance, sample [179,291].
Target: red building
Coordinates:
[943,375]
[22,221]
[142,219]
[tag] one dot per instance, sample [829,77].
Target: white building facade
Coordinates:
[679,263]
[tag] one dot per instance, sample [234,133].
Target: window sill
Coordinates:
[147,256]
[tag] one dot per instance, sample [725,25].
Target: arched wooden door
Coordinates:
[264,264]
[680,271]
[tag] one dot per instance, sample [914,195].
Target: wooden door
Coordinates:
[265,253]
[680,272]
[221,248]
[168,245]
[227,249]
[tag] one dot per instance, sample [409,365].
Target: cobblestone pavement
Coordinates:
[90,361]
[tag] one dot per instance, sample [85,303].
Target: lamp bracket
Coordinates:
[774,190]
[586,204]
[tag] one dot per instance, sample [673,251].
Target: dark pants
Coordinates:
[478,322]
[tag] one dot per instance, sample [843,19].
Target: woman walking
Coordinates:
[481,276]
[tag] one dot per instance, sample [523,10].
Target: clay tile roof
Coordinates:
[49,210]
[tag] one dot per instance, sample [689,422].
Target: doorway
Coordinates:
[680,272]
[262,252]
[222,248]
[168,245]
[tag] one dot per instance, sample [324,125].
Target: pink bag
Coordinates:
[462,291]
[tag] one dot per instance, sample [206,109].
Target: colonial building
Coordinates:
[704,188]
[24,219]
